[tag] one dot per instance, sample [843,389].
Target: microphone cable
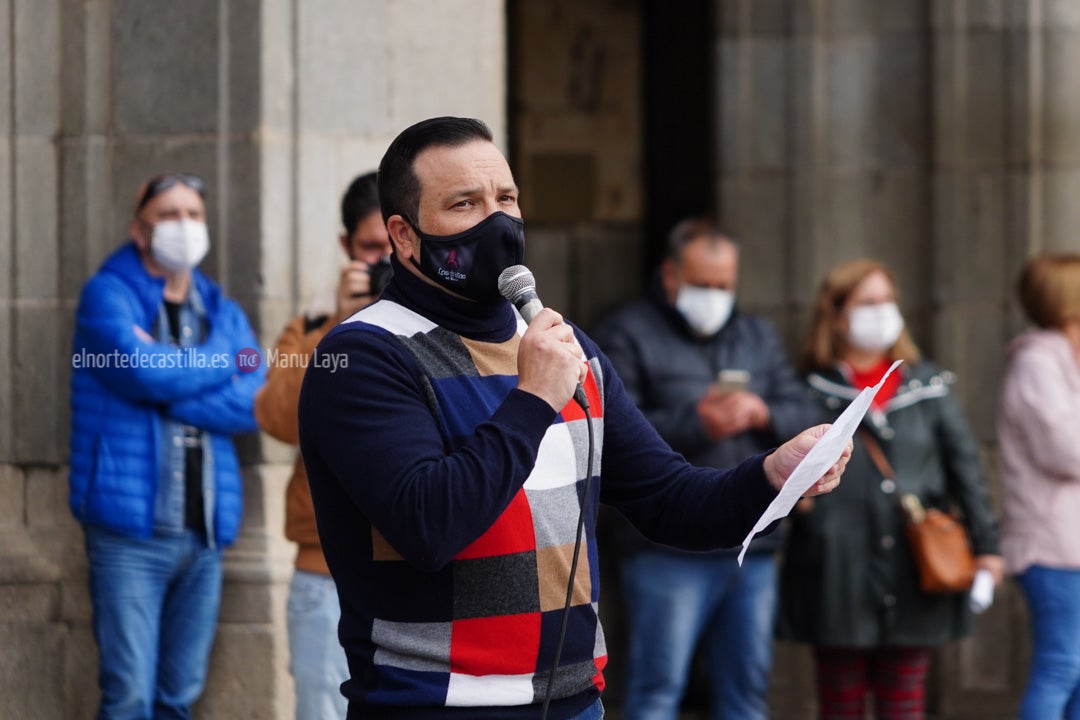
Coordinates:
[583,401]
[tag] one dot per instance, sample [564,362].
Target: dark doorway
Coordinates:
[678,60]
[678,116]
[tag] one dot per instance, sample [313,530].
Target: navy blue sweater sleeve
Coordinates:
[669,500]
[367,427]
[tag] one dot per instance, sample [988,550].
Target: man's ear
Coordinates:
[345,245]
[140,233]
[406,244]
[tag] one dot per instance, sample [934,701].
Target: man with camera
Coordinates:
[317,662]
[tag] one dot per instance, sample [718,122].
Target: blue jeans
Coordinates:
[593,712]
[1053,689]
[155,605]
[316,659]
[672,602]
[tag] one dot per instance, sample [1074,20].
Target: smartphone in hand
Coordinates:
[729,381]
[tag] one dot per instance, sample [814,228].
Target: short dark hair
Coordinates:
[399,188]
[359,201]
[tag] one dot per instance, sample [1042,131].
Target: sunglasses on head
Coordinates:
[161,183]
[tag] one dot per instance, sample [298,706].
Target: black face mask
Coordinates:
[469,263]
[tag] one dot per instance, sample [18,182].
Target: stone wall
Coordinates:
[940,137]
[277,104]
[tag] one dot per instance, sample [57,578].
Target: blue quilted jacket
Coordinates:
[127,388]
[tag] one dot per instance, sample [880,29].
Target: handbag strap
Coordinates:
[877,455]
[910,504]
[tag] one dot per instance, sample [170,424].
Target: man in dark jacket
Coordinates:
[717,386]
[164,372]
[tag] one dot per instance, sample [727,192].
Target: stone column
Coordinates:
[1006,126]
[823,148]
[901,131]
[327,84]
[821,145]
[277,104]
[986,174]
[940,137]
[34,528]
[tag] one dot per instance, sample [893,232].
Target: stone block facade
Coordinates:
[277,104]
[942,136]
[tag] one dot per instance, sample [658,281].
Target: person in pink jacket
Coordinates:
[1039,434]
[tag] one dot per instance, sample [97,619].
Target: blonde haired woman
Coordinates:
[1039,432]
[849,585]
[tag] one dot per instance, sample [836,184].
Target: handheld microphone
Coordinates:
[517,284]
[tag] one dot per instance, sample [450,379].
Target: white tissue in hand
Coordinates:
[982,591]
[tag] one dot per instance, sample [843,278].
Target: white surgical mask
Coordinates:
[179,245]
[704,309]
[875,328]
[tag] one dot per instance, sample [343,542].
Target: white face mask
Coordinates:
[179,245]
[704,309]
[875,328]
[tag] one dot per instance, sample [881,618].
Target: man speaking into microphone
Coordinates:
[455,478]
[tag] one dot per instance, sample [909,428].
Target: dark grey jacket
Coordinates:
[666,370]
[848,577]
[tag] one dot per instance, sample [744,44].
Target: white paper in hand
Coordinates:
[817,462]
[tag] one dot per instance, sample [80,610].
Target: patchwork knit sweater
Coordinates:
[447,503]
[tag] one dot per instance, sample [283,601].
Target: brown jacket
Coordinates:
[275,411]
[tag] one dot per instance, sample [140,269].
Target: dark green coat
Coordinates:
[848,578]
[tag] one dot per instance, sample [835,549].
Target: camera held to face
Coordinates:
[380,273]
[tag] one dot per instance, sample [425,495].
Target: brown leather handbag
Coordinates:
[938,540]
